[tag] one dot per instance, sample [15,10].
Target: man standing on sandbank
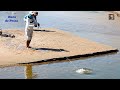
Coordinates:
[31,21]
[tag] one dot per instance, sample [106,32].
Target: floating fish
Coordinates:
[84,71]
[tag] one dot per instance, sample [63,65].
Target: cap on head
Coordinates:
[31,12]
[35,13]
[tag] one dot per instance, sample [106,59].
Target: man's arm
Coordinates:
[35,22]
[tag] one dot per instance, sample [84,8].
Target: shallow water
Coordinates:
[93,25]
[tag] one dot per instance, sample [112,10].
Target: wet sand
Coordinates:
[47,43]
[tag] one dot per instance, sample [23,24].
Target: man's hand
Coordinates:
[38,25]
[35,25]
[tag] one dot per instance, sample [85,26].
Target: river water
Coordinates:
[93,25]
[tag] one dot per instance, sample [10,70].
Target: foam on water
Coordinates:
[84,71]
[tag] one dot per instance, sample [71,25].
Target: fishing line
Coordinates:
[67,58]
[78,70]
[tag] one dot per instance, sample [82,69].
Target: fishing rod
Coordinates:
[81,70]
[61,51]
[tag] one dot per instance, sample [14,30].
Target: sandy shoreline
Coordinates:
[47,43]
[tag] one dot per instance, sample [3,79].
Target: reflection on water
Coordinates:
[45,69]
[28,71]
[61,60]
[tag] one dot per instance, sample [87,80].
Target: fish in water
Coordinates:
[84,71]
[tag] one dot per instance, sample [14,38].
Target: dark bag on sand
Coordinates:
[0,32]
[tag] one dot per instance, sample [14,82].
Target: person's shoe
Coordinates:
[29,47]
